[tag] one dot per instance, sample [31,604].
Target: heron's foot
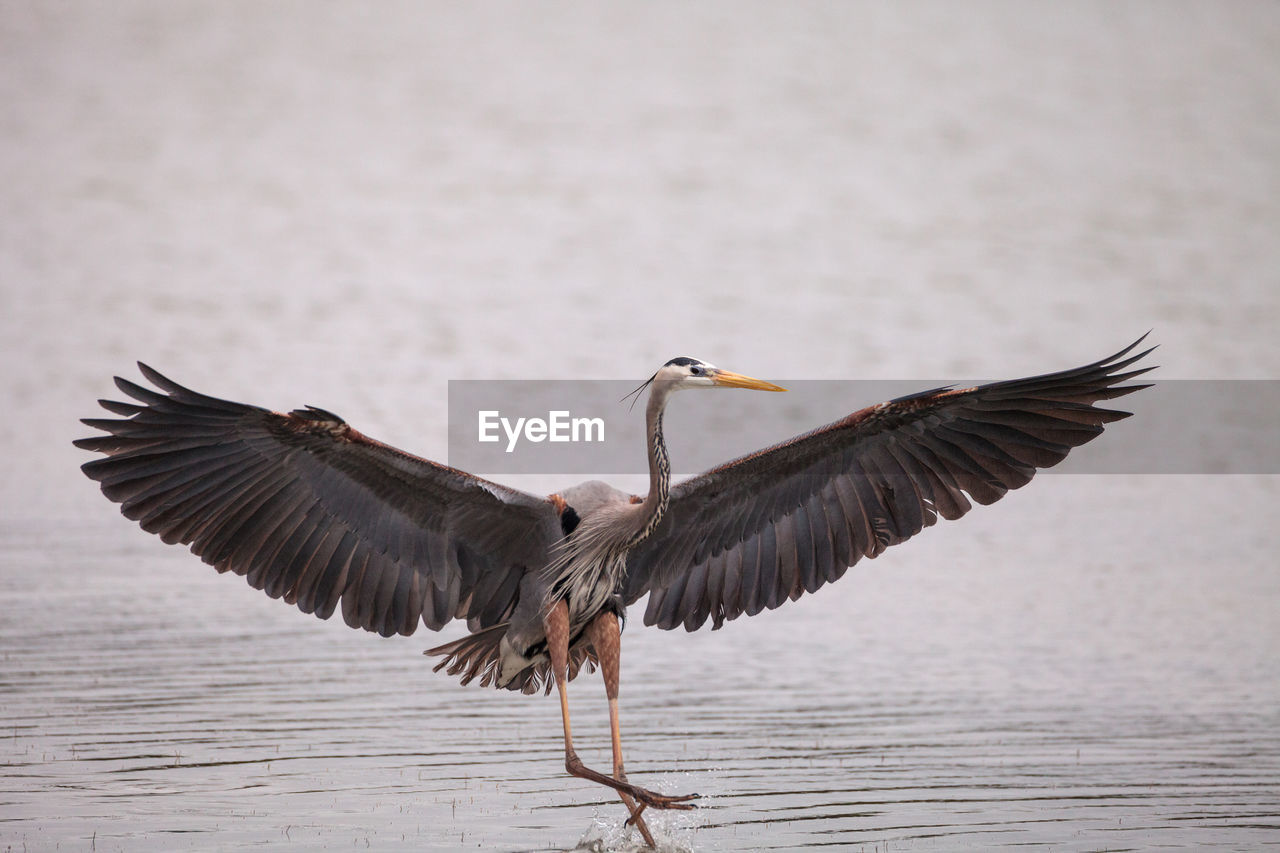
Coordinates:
[650,798]
[642,796]
[645,797]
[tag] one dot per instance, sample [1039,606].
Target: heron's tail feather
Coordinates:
[477,656]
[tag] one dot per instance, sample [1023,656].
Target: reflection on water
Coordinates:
[958,693]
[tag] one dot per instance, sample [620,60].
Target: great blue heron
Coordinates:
[309,509]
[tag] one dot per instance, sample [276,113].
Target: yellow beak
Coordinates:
[729,379]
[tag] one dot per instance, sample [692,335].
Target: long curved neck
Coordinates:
[655,503]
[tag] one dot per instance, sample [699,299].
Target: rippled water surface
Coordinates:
[295,203]
[988,690]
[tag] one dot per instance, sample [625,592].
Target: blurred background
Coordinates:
[349,205]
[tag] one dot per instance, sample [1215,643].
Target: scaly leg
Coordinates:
[605,638]
[556,624]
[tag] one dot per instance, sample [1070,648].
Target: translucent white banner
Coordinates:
[585,426]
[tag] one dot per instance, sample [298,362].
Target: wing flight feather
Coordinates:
[773,525]
[309,510]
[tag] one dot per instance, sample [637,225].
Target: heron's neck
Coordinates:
[655,503]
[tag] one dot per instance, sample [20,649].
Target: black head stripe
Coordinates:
[569,520]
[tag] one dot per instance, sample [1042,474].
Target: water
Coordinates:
[970,691]
[298,204]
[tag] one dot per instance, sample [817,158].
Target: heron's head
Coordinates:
[684,372]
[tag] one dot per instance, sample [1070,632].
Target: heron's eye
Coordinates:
[696,370]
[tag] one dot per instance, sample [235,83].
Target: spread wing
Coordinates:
[771,526]
[308,509]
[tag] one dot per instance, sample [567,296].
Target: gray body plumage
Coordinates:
[588,566]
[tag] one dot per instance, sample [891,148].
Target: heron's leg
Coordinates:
[556,624]
[606,639]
